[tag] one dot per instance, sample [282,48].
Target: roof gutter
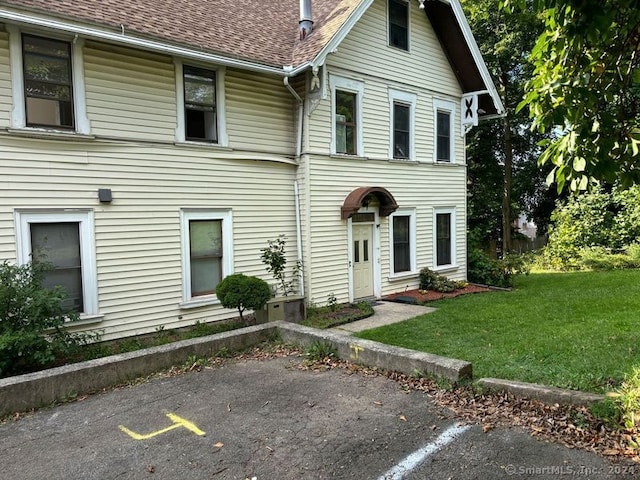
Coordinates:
[122,38]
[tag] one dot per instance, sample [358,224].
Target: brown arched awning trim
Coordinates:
[354,200]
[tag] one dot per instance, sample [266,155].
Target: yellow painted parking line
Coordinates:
[177,423]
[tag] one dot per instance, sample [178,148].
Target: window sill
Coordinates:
[49,133]
[400,49]
[446,268]
[403,160]
[203,144]
[346,156]
[448,164]
[402,276]
[201,302]
[86,319]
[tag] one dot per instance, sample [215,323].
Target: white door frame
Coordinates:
[377,278]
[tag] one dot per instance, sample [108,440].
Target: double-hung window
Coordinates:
[402,116]
[200,99]
[200,104]
[346,124]
[65,241]
[48,88]
[401,130]
[398,11]
[47,82]
[444,235]
[402,239]
[207,252]
[346,106]
[444,150]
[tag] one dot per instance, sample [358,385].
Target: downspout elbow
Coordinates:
[292,90]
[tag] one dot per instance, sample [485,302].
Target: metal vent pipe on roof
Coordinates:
[306,19]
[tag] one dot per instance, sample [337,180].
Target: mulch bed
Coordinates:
[421,296]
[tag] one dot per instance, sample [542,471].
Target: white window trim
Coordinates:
[23,218]
[19,114]
[449,107]
[408,28]
[411,213]
[354,86]
[227,252]
[223,140]
[410,99]
[453,264]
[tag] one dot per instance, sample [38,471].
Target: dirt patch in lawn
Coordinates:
[423,296]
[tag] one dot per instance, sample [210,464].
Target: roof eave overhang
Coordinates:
[452,29]
[332,45]
[106,34]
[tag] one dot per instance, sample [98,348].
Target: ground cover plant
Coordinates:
[334,314]
[576,330]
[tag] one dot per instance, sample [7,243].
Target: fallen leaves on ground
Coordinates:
[572,426]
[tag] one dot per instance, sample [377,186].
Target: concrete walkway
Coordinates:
[385,313]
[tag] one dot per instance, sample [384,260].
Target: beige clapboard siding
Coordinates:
[419,186]
[366,50]
[424,71]
[137,236]
[376,119]
[129,94]
[5,82]
[260,113]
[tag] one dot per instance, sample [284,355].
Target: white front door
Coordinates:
[362,236]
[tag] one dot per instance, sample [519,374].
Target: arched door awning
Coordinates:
[355,199]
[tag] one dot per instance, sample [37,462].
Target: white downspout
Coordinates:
[296,193]
[300,116]
[295,182]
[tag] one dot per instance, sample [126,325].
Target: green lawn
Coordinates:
[572,330]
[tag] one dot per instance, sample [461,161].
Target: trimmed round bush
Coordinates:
[241,291]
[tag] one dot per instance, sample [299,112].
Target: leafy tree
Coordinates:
[502,155]
[586,89]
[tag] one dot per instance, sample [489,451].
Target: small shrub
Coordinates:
[275,259]
[332,302]
[321,350]
[633,252]
[626,401]
[600,258]
[498,273]
[32,318]
[430,280]
[193,362]
[607,411]
[242,292]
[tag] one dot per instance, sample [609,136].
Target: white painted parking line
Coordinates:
[411,461]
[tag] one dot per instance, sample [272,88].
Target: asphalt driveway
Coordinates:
[267,419]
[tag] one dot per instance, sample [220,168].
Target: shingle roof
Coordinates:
[261,31]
